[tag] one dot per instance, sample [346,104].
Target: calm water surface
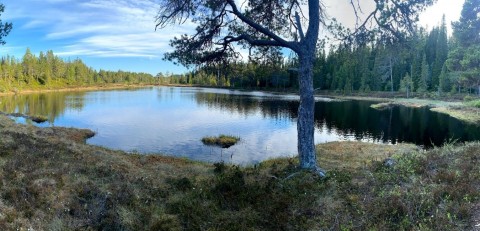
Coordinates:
[172,121]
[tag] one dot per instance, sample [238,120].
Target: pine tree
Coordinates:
[464,59]
[466,30]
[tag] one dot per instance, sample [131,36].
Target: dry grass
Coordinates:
[466,114]
[352,155]
[51,180]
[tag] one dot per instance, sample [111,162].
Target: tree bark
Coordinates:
[306,113]
[306,109]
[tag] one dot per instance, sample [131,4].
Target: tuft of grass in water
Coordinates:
[38,118]
[224,141]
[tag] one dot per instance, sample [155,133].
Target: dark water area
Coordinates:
[172,121]
[394,125]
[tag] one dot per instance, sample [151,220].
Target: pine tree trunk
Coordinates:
[306,109]
[306,114]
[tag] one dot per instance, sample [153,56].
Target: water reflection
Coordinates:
[173,121]
[51,104]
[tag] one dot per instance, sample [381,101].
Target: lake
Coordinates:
[173,120]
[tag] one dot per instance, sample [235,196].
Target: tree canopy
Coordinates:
[273,23]
[464,59]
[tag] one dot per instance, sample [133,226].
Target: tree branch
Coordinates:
[299,26]
[260,28]
[250,40]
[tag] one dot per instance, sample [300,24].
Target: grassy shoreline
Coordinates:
[456,109]
[78,88]
[51,180]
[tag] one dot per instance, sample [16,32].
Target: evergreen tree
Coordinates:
[416,70]
[425,76]
[441,52]
[406,85]
[464,59]
[444,81]
[466,30]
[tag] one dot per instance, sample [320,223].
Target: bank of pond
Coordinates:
[52,180]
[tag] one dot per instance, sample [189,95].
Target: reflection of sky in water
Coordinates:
[174,120]
[171,121]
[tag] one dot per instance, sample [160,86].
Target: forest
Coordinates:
[48,71]
[431,63]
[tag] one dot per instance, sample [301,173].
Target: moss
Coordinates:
[52,180]
[224,141]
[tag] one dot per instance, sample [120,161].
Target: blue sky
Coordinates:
[120,34]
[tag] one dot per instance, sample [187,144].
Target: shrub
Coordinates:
[468,98]
[474,103]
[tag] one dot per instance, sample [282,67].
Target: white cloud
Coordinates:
[100,28]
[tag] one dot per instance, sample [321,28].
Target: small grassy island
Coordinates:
[224,141]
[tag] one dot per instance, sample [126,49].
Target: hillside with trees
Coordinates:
[48,71]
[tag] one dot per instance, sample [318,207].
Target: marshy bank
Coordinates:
[463,111]
[52,180]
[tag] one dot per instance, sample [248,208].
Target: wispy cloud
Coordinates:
[98,28]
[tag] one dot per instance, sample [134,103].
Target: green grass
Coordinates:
[224,141]
[473,103]
[38,118]
[52,180]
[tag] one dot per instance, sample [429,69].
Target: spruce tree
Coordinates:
[441,53]
[444,81]
[425,76]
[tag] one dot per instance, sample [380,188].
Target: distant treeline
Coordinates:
[50,71]
[428,63]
